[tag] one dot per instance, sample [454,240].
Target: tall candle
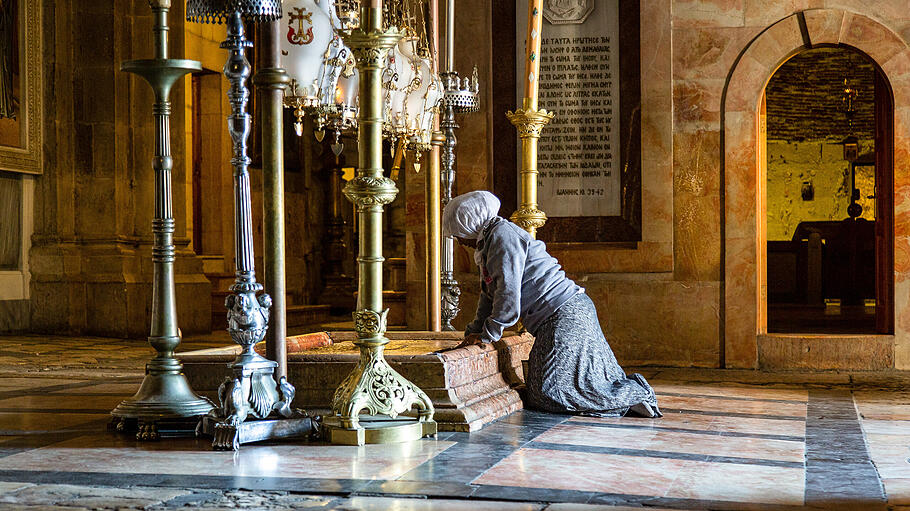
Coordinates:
[532,54]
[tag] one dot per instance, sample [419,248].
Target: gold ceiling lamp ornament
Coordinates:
[848,99]
[530,121]
[373,386]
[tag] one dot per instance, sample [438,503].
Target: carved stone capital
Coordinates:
[530,122]
[365,191]
[529,218]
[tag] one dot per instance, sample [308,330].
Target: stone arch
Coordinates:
[744,294]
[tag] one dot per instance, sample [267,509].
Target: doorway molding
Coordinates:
[744,181]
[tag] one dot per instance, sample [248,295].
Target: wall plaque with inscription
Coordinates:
[589,156]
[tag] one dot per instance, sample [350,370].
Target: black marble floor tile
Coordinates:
[534,418]
[428,488]
[662,454]
[505,433]
[643,426]
[670,411]
[839,471]
[645,502]
[462,463]
[531,494]
[729,398]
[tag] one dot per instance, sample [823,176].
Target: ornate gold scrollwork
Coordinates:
[371,191]
[529,218]
[530,122]
[374,387]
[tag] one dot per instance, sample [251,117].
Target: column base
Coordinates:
[378,429]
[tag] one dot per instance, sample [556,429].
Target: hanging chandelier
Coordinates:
[325,78]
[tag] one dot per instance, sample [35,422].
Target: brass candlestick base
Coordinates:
[530,121]
[373,386]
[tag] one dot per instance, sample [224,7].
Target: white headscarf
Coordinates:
[466,216]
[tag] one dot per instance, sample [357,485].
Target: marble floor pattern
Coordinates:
[720,445]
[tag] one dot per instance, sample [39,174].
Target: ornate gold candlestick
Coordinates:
[530,121]
[373,386]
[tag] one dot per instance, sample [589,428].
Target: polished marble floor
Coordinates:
[728,440]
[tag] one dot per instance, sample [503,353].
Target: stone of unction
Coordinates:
[469,386]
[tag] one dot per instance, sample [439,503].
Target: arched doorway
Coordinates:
[746,341]
[827,129]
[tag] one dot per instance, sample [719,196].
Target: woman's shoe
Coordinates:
[643,409]
[651,402]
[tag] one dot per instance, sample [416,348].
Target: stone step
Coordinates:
[469,386]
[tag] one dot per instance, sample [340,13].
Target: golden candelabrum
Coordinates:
[373,386]
[530,122]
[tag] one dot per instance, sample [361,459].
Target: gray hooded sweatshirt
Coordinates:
[518,279]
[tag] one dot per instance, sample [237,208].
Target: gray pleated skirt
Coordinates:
[572,369]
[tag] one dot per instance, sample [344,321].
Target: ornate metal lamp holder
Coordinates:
[373,387]
[459,97]
[251,392]
[164,399]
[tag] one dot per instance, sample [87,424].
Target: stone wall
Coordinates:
[793,164]
[91,250]
[805,96]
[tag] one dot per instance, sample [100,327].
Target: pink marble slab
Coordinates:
[676,442]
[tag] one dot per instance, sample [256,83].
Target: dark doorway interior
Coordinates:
[829,136]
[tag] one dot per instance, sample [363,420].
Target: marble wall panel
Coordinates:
[709,13]
[696,103]
[708,53]
[764,13]
[871,37]
[697,205]
[658,322]
[902,323]
[778,42]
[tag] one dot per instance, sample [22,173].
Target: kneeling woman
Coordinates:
[571,368]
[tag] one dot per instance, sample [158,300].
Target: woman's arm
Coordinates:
[484,307]
[505,264]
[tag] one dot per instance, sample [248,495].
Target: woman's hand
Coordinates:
[470,340]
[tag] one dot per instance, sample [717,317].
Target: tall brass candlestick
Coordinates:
[165,395]
[530,121]
[373,386]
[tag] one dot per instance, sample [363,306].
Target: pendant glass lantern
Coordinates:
[400,78]
[421,105]
[305,45]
